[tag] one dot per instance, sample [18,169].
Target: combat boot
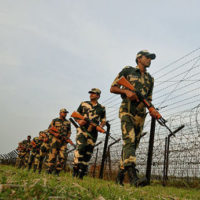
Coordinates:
[57,172]
[20,165]
[39,171]
[29,167]
[120,177]
[134,179]
[50,170]
[75,171]
[40,167]
[81,174]
[34,168]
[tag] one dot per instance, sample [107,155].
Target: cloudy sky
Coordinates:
[53,52]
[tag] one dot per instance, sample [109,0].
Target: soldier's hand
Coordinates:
[131,95]
[81,122]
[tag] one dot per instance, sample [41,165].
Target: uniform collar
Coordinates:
[138,69]
[95,104]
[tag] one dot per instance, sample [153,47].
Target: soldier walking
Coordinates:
[23,152]
[132,113]
[44,149]
[35,153]
[87,134]
[59,134]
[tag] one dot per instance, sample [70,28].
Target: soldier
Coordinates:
[87,133]
[44,148]
[35,153]
[132,113]
[27,155]
[23,152]
[60,132]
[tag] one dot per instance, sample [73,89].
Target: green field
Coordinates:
[21,184]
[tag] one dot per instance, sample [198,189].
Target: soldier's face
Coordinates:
[94,96]
[145,61]
[63,114]
[40,137]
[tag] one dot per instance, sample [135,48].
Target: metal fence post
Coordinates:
[150,151]
[104,150]
[95,163]
[166,159]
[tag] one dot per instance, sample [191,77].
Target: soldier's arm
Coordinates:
[69,130]
[51,124]
[149,97]
[80,110]
[116,89]
[103,118]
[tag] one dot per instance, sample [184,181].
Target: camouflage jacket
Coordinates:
[35,144]
[96,114]
[143,83]
[24,146]
[44,136]
[63,126]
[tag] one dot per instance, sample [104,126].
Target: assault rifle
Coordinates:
[44,137]
[77,115]
[33,144]
[123,82]
[68,140]
[55,132]
[76,126]
[21,147]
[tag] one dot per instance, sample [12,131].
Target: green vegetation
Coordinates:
[21,184]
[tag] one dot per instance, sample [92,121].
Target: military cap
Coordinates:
[145,53]
[95,90]
[63,110]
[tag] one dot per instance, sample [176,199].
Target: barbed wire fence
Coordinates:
[177,96]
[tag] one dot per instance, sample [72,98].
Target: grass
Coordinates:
[21,184]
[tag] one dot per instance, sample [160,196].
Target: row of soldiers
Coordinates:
[33,152]
[51,145]
[135,85]
[48,148]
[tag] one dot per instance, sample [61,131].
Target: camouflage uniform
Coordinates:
[27,155]
[58,145]
[35,153]
[87,136]
[23,153]
[44,149]
[132,113]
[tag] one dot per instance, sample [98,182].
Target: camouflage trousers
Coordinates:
[131,127]
[84,149]
[20,162]
[44,150]
[34,159]
[56,157]
[26,158]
